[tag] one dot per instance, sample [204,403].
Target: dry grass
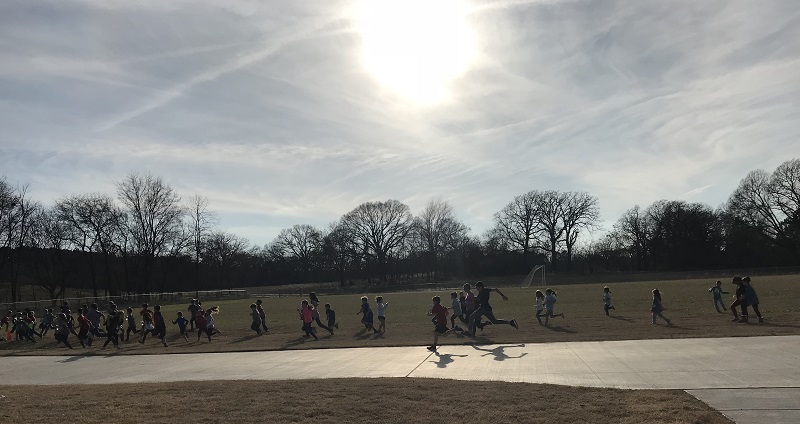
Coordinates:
[687,303]
[399,400]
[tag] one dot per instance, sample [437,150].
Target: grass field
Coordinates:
[687,303]
[387,400]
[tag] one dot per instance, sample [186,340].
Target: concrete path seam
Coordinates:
[419,365]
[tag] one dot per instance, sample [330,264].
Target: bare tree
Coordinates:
[223,252]
[632,231]
[769,203]
[378,228]
[549,209]
[52,265]
[439,230]
[579,211]
[91,220]
[339,252]
[302,245]
[519,222]
[16,211]
[785,187]
[155,214]
[201,222]
[9,200]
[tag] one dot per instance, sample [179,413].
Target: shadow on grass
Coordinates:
[499,352]
[292,343]
[365,334]
[620,318]
[559,329]
[769,324]
[677,327]
[246,338]
[444,360]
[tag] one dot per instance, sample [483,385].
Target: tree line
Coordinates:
[147,238]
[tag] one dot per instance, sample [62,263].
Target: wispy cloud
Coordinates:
[267,109]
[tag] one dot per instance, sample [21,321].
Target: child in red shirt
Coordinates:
[440,318]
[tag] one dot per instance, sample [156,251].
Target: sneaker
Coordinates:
[514,324]
[432,348]
[760,320]
[336,325]
[735,320]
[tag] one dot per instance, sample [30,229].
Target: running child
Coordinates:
[550,305]
[440,316]
[607,300]
[367,319]
[160,324]
[211,327]
[331,315]
[6,321]
[94,315]
[30,321]
[457,311]
[485,309]
[540,306]
[193,309]
[307,315]
[657,308]
[381,314]
[739,296]
[716,292]
[112,329]
[263,315]
[201,324]
[751,298]
[182,323]
[315,312]
[62,330]
[83,327]
[256,324]
[148,326]
[22,329]
[48,321]
[131,320]
[145,311]
[469,302]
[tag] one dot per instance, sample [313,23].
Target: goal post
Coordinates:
[532,276]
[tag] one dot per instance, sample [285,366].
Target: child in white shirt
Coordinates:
[607,300]
[381,313]
[539,306]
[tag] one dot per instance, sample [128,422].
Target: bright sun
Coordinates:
[416,47]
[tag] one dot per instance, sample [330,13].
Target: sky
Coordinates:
[295,112]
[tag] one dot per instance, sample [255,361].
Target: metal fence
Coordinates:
[129,299]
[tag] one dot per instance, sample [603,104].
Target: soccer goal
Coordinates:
[532,276]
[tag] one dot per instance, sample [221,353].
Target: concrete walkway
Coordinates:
[751,380]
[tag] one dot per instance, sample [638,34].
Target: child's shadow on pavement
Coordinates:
[499,352]
[621,318]
[445,359]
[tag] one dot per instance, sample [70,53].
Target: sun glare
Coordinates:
[416,48]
